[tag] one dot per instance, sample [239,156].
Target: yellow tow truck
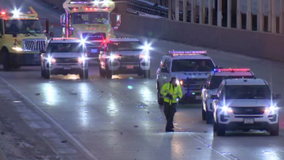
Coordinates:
[90,20]
[21,39]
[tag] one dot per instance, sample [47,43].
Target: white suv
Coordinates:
[212,84]
[245,104]
[125,56]
[64,56]
[191,68]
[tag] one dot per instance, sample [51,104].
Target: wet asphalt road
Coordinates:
[119,119]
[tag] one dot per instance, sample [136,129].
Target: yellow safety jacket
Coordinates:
[176,92]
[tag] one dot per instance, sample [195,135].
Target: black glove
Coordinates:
[169,96]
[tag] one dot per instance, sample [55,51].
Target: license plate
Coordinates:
[94,50]
[67,67]
[197,97]
[248,121]
[129,67]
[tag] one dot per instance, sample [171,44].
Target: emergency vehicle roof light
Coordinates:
[183,53]
[232,70]
[3,13]
[62,38]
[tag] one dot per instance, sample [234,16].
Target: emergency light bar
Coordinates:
[189,53]
[18,14]
[232,70]
[105,5]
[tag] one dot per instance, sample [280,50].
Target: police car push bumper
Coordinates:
[228,120]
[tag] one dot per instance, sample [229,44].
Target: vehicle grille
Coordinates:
[195,83]
[248,110]
[132,58]
[34,45]
[66,60]
[94,36]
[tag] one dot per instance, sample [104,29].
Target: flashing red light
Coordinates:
[181,82]
[3,13]
[234,70]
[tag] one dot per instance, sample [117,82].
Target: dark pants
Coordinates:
[169,111]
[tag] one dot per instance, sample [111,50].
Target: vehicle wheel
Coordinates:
[42,72]
[203,114]
[160,100]
[275,131]
[84,74]
[6,60]
[220,131]
[214,126]
[46,74]
[209,118]
[102,72]
[147,74]
[109,74]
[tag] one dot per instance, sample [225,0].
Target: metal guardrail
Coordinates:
[162,11]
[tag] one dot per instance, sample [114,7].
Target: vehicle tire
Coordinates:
[84,74]
[203,114]
[159,99]
[46,74]
[42,72]
[102,72]
[108,74]
[6,60]
[147,74]
[275,131]
[220,131]
[215,126]
[209,118]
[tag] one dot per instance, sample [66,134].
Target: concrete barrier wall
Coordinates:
[263,45]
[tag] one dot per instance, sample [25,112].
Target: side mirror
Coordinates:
[62,19]
[214,97]
[277,96]
[118,20]
[14,35]
[218,67]
[164,70]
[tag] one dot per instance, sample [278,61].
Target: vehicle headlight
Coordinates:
[113,57]
[50,59]
[227,109]
[18,49]
[82,59]
[271,109]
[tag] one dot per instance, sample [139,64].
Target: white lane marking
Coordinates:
[208,147]
[53,121]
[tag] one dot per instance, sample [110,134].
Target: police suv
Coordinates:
[244,104]
[125,56]
[212,84]
[64,56]
[191,68]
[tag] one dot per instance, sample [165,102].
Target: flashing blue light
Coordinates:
[129,87]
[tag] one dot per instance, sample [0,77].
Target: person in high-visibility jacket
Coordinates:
[171,93]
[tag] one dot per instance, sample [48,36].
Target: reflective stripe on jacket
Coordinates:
[168,88]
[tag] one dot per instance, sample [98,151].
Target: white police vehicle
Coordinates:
[191,68]
[245,104]
[64,56]
[125,56]
[212,84]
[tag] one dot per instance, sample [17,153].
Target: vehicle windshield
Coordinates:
[90,18]
[20,26]
[188,65]
[216,80]
[247,92]
[64,47]
[125,46]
